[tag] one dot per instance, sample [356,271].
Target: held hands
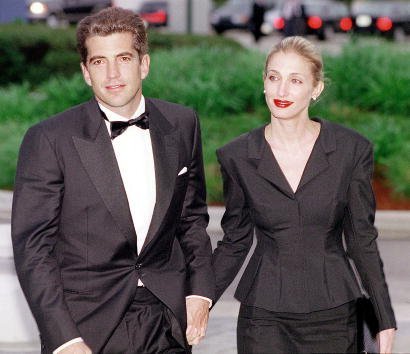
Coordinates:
[76,348]
[385,339]
[197,319]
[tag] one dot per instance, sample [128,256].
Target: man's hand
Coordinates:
[385,339]
[76,348]
[197,319]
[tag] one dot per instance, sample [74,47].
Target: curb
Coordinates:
[391,224]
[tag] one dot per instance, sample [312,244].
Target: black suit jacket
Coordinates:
[300,264]
[74,242]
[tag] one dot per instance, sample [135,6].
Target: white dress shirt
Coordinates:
[133,151]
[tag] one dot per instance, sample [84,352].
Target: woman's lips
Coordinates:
[282,103]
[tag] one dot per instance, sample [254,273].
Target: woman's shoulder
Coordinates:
[345,135]
[239,145]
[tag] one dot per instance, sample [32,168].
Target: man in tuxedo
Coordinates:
[109,213]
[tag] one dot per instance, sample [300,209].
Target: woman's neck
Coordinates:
[290,133]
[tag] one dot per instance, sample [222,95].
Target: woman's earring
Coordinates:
[264,91]
[314,98]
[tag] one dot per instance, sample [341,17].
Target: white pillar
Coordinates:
[177,21]
[178,16]
[201,16]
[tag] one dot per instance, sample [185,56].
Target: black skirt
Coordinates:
[329,331]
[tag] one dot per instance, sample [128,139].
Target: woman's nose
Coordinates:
[283,89]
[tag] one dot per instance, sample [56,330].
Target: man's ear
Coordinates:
[144,66]
[86,74]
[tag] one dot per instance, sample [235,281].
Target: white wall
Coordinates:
[16,322]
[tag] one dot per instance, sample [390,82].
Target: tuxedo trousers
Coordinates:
[148,327]
[261,331]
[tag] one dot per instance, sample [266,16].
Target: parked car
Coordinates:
[75,10]
[154,13]
[58,12]
[235,14]
[387,18]
[46,11]
[320,17]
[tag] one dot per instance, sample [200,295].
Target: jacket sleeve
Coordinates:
[192,234]
[38,192]
[238,229]
[361,235]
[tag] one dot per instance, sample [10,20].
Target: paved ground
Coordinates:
[332,46]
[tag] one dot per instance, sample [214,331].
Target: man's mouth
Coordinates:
[282,103]
[114,87]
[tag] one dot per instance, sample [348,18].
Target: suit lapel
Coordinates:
[268,167]
[98,158]
[318,161]
[164,141]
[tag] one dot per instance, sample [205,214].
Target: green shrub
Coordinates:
[372,75]
[34,53]
[224,85]
[25,52]
[214,81]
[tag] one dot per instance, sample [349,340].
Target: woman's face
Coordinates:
[289,86]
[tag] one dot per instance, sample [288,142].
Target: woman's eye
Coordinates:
[273,78]
[296,81]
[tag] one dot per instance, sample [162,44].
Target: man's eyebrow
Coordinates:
[125,53]
[95,57]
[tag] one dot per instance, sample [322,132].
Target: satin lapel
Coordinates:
[98,158]
[164,141]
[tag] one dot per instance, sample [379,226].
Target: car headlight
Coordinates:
[38,8]
[363,21]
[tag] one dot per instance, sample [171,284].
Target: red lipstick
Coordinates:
[282,103]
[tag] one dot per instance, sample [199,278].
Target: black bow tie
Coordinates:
[119,127]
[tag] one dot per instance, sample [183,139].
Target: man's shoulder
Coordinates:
[63,121]
[166,107]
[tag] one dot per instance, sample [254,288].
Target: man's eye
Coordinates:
[97,62]
[125,59]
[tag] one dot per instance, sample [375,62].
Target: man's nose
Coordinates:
[113,70]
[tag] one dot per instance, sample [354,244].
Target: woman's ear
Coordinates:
[318,90]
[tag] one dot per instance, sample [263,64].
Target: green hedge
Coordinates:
[372,75]
[224,85]
[34,53]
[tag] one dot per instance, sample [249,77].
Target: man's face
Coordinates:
[115,72]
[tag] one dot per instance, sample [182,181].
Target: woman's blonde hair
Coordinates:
[305,49]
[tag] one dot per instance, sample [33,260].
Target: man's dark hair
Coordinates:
[109,21]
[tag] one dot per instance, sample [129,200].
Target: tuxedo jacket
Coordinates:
[75,245]
[300,264]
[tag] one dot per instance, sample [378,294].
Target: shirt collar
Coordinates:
[112,116]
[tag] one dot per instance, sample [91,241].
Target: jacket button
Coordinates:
[138,266]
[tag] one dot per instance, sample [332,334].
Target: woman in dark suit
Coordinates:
[300,183]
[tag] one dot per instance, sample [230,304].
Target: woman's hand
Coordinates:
[385,339]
